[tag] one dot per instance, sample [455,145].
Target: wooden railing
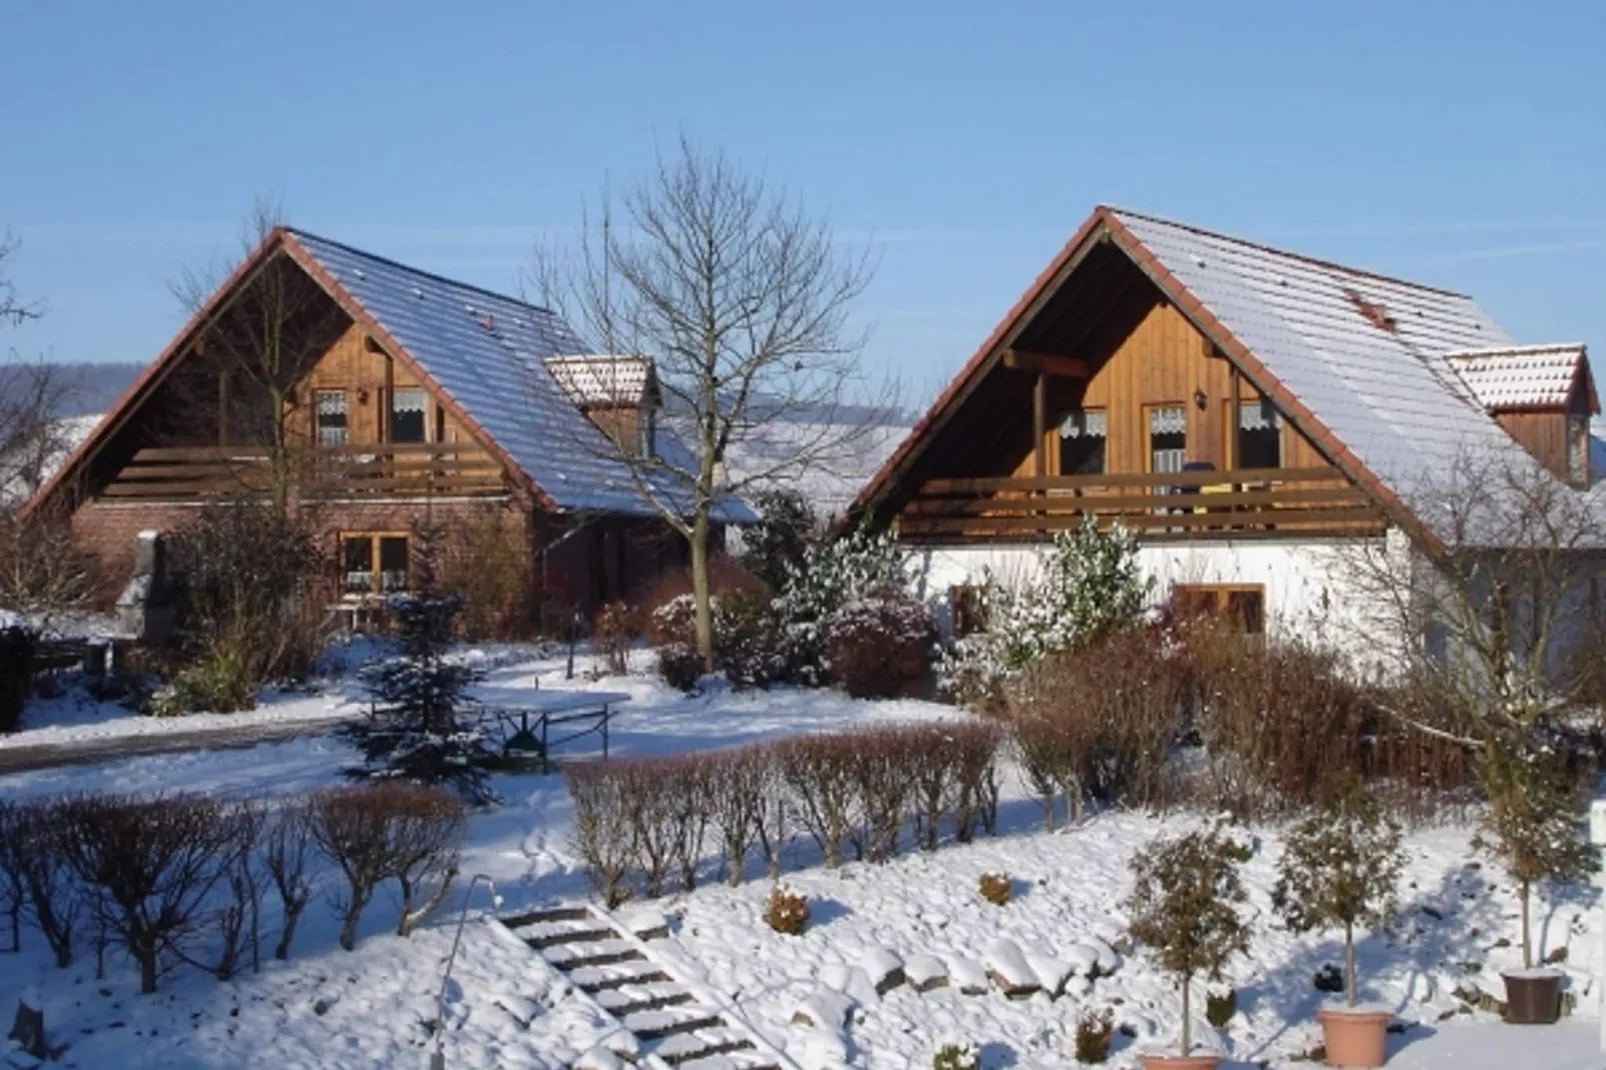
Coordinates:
[1246,503]
[395,470]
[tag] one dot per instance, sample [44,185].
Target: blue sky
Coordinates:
[1462,145]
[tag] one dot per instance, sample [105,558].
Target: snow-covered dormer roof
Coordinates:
[1520,377]
[602,380]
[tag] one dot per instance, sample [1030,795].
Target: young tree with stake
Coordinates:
[743,300]
[1184,911]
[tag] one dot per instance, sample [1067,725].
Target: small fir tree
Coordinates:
[413,733]
[1532,825]
[777,544]
[1341,867]
[1184,909]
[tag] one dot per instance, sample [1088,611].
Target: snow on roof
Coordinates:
[600,380]
[1367,354]
[1519,377]
[489,352]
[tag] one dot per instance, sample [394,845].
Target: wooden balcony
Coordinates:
[365,471]
[1247,503]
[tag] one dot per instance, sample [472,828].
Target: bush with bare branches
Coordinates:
[738,782]
[975,746]
[149,866]
[238,919]
[424,847]
[351,826]
[818,772]
[286,853]
[604,834]
[617,628]
[35,863]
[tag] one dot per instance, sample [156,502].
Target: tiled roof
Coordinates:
[1519,377]
[1366,354]
[489,352]
[603,380]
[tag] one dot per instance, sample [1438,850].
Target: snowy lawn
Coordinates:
[326,1008]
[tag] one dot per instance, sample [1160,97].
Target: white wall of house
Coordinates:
[1304,580]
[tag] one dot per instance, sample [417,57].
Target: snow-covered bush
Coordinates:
[996,888]
[1184,909]
[879,643]
[747,641]
[1085,584]
[1095,1031]
[957,1055]
[413,733]
[786,912]
[1340,867]
[830,574]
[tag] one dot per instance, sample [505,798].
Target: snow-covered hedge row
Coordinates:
[185,879]
[642,823]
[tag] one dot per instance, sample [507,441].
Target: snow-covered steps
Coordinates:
[672,1023]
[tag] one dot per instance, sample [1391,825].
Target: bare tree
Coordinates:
[13,309]
[263,343]
[743,301]
[1481,614]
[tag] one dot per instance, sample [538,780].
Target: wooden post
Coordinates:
[1234,415]
[387,399]
[222,408]
[1040,423]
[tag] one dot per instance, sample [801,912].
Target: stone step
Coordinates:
[552,934]
[548,914]
[604,952]
[741,1059]
[594,979]
[671,1021]
[684,1047]
[629,999]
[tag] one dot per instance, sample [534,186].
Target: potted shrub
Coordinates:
[1532,828]
[1340,868]
[1184,911]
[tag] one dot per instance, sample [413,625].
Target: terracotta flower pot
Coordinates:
[1355,1036]
[1180,1062]
[1533,997]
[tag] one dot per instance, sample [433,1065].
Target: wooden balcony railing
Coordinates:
[393,470]
[1246,503]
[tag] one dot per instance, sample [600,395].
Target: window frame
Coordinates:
[1148,433]
[376,571]
[1222,595]
[391,415]
[318,394]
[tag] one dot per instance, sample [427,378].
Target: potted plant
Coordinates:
[1184,911]
[1341,867]
[1532,828]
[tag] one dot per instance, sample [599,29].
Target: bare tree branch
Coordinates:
[742,299]
[13,309]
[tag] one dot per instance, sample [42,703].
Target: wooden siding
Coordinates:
[1543,434]
[1163,361]
[368,376]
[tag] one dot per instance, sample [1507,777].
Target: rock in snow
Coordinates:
[884,968]
[852,982]
[823,1009]
[969,975]
[1007,967]
[925,972]
[1052,973]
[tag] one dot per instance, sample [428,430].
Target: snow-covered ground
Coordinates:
[507,1008]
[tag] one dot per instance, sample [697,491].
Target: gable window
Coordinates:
[1260,435]
[373,563]
[331,407]
[407,423]
[1083,434]
[1168,438]
[1242,607]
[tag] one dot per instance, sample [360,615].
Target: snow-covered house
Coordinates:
[1241,408]
[405,394]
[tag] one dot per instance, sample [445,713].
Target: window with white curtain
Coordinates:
[332,427]
[1168,438]
[1260,435]
[407,423]
[1083,434]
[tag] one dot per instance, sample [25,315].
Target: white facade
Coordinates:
[1303,580]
